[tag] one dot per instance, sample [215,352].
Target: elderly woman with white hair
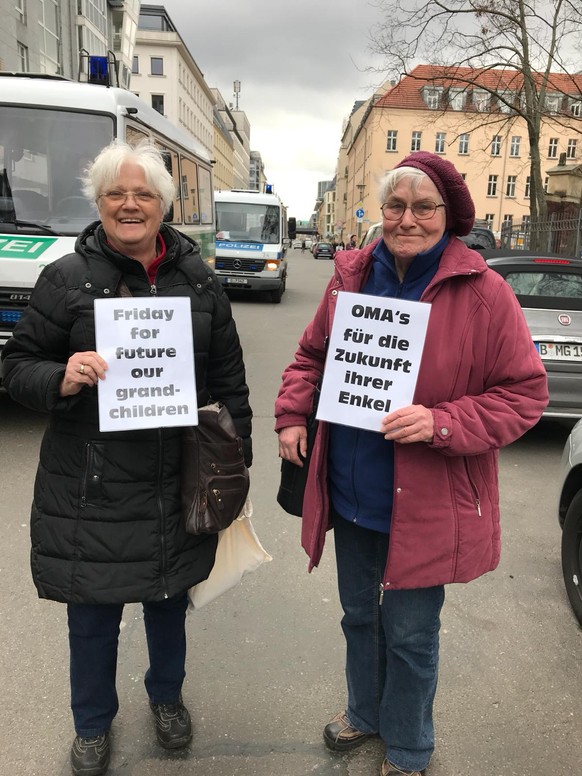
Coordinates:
[106,522]
[414,505]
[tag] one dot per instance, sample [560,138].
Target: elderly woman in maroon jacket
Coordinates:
[415,505]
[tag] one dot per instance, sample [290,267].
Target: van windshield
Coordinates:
[245,221]
[42,155]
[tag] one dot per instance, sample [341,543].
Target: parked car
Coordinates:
[323,250]
[570,518]
[296,243]
[549,289]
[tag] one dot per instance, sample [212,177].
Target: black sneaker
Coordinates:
[90,756]
[173,724]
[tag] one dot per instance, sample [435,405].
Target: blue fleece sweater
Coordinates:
[361,462]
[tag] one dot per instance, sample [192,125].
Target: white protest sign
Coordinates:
[373,358]
[148,346]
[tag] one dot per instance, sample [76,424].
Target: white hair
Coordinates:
[103,171]
[393,178]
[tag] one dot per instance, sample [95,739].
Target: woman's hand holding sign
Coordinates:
[414,423]
[84,368]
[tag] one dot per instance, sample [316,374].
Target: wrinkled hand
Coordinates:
[84,368]
[292,441]
[409,424]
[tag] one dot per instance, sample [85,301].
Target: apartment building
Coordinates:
[479,133]
[56,38]
[165,74]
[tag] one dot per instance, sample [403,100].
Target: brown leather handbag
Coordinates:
[215,479]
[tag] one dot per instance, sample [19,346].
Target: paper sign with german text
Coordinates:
[148,346]
[373,358]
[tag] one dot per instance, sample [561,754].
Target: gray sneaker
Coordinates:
[388,769]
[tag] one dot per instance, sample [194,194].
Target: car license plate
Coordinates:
[238,281]
[560,351]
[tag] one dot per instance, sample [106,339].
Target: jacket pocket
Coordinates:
[92,488]
[473,487]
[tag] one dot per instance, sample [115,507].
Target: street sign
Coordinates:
[360,213]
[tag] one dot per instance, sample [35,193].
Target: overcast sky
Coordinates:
[301,64]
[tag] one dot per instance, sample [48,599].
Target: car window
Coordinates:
[558,284]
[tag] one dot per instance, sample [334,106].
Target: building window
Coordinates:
[496,146]
[507,221]
[527,187]
[416,140]
[576,109]
[135,65]
[464,144]
[553,103]
[439,146]
[492,186]
[481,101]
[489,218]
[505,104]
[432,98]
[546,183]
[391,137]
[158,103]
[20,6]
[22,57]
[510,190]
[515,145]
[553,148]
[157,65]
[457,99]
[571,151]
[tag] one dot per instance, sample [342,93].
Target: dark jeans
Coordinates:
[93,639]
[392,649]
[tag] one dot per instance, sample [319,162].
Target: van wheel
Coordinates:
[572,554]
[277,294]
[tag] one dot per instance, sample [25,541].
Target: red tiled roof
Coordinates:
[407,93]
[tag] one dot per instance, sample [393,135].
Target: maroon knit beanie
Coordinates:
[452,188]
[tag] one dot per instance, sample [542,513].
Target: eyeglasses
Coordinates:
[143,197]
[393,211]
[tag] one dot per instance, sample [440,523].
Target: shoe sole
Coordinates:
[345,746]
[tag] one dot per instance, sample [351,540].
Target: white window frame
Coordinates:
[392,140]
[553,148]
[496,145]
[440,142]
[416,140]
[510,186]
[515,146]
[527,190]
[553,103]
[457,99]
[464,144]
[572,148]
[492,185]
[481,100]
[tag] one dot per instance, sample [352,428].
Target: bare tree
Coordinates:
[532,44]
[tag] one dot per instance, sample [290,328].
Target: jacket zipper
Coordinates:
[86,474]
[473,488]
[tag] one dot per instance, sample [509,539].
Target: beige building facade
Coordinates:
[481,135]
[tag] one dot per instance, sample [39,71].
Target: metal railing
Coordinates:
[556,235]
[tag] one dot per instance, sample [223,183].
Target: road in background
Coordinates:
[265,662]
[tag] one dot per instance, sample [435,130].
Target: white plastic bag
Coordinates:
[239,552]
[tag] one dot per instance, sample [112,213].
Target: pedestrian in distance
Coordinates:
[106,524]
[351,242]
[415,505]
[302,246]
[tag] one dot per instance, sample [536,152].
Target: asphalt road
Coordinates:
[265,662]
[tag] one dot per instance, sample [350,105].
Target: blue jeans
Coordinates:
[93,639]
[392,649]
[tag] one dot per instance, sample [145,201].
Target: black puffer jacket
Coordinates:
[106,524]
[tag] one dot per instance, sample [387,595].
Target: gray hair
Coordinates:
[393,178]
[102,173]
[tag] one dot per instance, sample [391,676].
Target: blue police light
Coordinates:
[269,188]
[99,70]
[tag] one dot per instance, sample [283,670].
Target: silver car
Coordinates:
[570,517]
[549,290]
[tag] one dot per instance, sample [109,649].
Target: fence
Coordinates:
[556,235]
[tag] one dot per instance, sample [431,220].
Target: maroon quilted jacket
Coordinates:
[486,386]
